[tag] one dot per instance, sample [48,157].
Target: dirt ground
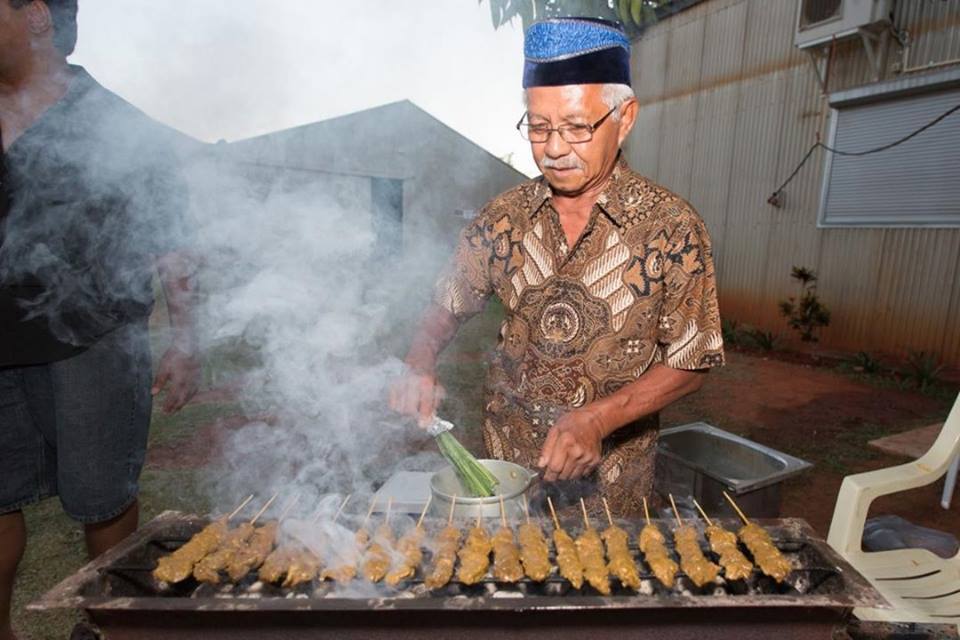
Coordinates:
[814,412]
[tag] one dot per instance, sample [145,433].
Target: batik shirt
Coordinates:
[637,288]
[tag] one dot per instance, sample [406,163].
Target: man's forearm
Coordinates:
[176,272]
[435,331]
[654,390]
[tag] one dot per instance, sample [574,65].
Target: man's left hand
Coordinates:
[179,374]
[573,447]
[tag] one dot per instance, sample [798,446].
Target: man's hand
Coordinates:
[416,394]
[573,447]
[179,373]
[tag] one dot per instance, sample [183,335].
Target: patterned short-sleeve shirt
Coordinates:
[637,288]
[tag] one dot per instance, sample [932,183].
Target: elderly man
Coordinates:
[90,199]
[606,278]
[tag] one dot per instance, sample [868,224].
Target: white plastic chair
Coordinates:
[920,586]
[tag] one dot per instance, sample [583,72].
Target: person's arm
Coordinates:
[574,444]
[179,370]
[460,293]
[419,392]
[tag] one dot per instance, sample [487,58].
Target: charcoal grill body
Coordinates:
[120,597]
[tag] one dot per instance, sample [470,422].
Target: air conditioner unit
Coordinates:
[820,21]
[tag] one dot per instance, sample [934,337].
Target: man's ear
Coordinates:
[39,20]
[628,116]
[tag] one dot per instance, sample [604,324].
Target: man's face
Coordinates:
[573,168]
[15,36]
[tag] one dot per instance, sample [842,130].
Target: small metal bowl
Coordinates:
[514,482]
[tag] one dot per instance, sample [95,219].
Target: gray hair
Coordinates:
[613,95]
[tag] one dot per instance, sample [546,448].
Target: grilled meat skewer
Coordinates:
[376,564]
[408,547]
[653,546]
[444,558]
[591,554]
[765,553]
[208,569]
[700,570]
[254,553]
[735,565]
[621,563]
[475,555]
[178,566]
[534,552]
[506,556]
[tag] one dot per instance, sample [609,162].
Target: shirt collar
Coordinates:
[609,201]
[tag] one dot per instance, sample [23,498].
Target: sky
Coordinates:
[232,69]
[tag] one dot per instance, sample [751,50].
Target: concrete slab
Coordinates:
[911,444]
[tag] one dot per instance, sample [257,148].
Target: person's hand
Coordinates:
[416,394]
[573,447]
[179,374]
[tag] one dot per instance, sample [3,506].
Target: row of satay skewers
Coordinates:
[593,557]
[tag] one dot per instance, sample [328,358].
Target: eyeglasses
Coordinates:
[571,133]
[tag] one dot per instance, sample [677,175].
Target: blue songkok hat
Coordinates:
[561,51]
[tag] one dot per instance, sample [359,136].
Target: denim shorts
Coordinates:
[77,428]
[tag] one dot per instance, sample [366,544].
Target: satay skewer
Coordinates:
[475,553]
[408,547]
[761,546]
[620,562]
[568,561]
[445,553]
[178,566]
[697,567]
[257,549]
[377,562]
[653,546]
[506,555]
[208,568]
[724,544]
[591,554]
[534,550]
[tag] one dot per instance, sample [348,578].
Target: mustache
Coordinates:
[566,162]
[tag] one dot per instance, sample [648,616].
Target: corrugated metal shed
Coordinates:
[728,108]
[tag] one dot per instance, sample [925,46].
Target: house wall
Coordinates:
[728,108]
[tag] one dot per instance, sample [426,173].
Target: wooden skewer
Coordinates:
[583,507]
[264,508]
[288,506]
[646,512]
[556,523]
[240,508]
[702,512]
[526,508]
[424,512]
[366,519]
[503,513]
[479,514]
[453,503]
[675,512]
[606,507]
[733,504]
[341,507]
[386,520]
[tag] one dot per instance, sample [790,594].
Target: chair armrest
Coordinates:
[859,491]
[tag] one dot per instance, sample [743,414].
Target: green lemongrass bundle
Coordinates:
[475,478]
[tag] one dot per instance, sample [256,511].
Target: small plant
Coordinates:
[766,340]
[806,314]
[865,363]
[923,369]
[731,332]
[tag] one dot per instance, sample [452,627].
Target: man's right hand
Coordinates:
[416,394]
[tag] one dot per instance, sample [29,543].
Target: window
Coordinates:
[915,184]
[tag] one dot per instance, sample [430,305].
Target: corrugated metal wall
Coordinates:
[728,108]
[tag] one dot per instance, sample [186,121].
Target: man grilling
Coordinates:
[606,278]
[90,199]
